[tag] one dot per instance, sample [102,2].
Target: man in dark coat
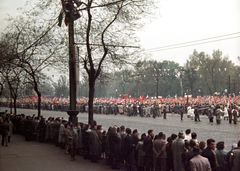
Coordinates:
[164,112]
[135,140]
[210,154]
[56,127]
[234,112]
[129,150]
[181,112]
[140,110]
[134,110]
[148,150]
[114,142]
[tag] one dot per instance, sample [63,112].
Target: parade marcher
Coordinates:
[115,109]
[235,158]
[230,116]
[134,110]
[219,114]
[154,111]
[158,111]
[164,112]
[148,150]
[197,112]
[159,149]
[177,150]
[181,112]
[72,140]
[210,154]
[210,114]
[129,151]
[140,110]
[199,163]
[225,112]
[235,114]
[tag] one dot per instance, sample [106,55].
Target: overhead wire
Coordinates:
[192,43]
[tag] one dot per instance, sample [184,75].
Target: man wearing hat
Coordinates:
[178,150]
[199,163]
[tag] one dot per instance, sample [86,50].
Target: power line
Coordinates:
[185,43]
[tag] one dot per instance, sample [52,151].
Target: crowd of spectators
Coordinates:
[123,146]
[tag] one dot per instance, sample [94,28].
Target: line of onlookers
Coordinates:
[120,145]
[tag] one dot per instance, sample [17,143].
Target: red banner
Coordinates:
[125,96]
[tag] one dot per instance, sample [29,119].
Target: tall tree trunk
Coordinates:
[15,104]
[90,101]
[39,102]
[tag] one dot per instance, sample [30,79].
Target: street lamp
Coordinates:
[116,92]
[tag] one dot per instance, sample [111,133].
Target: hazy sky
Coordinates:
[180,21]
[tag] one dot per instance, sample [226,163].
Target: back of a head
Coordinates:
[160,135]
[173,136]
[196,150]
[128,130]
[220,145]
[143,136]
[192,143]
[188,131]
[194,135]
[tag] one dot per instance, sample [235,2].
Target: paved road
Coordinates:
[229,133]
[21,155]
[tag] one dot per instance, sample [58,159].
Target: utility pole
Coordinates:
[229,85]
[72,73]
[181,75]
[71,14]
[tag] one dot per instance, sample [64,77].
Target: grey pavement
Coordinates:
[21,155]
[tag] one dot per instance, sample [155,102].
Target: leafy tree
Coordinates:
[34,45]
[213,70]
[61,87]
[108,27]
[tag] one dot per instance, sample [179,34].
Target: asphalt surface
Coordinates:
[34,155]
[21,155]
